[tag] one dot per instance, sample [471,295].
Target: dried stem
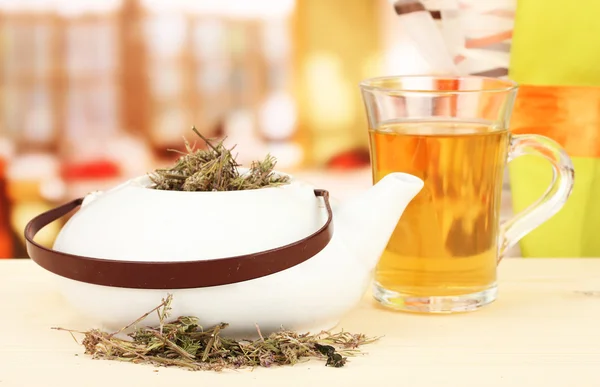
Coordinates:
[214,169]
[143,317]
[184,343]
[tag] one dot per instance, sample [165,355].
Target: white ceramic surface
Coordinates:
[132,222]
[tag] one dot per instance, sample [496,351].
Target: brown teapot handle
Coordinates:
[172,275]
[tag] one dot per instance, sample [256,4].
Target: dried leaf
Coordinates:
[184,343]
[215,169]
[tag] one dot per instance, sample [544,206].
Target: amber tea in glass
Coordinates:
[453,134]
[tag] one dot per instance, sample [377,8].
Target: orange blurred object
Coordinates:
[6,242]
[96,169]
[352,159]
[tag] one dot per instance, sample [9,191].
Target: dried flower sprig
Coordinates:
[215,169]
[184,343]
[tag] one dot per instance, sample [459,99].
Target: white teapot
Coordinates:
[268,257]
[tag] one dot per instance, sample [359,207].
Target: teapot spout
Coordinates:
[368,221]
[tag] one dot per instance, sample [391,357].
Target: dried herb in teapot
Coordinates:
[215,169]
[184,343]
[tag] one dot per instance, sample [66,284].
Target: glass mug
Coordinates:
[453,133]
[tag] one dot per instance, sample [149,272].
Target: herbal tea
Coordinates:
[446,241]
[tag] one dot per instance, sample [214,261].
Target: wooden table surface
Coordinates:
[544,330]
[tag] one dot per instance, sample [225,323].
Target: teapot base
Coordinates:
[434,304]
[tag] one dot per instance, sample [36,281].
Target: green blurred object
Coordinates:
[555,57]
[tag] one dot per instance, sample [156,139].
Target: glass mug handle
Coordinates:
[512,230]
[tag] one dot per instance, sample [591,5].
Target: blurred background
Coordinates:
[93,92]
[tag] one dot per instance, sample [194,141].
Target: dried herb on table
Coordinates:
[215,169]
[184,343]
[333,359]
